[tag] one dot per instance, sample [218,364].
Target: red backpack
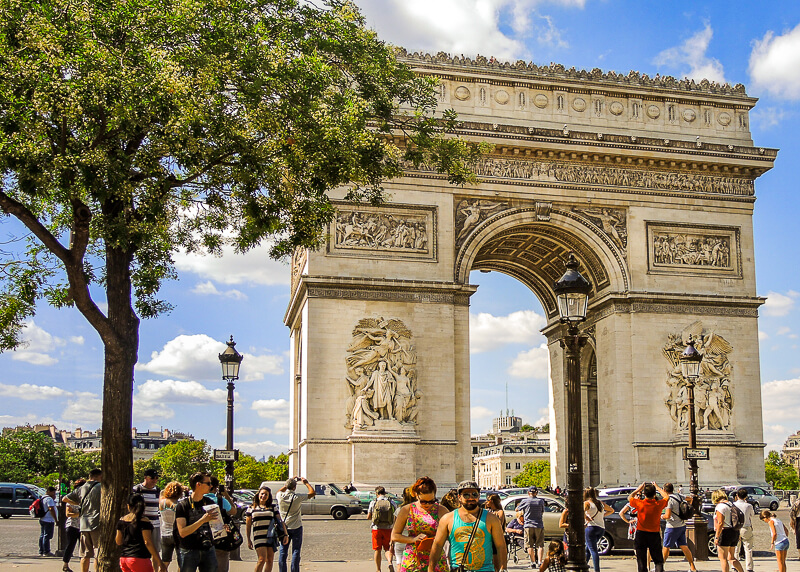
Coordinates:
[37,509]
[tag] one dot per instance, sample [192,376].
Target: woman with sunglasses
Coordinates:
[422,520]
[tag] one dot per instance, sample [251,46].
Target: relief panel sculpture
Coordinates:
[712,394]
[471,212]
[612,221]
[381,375]
[391,231]
[702,250]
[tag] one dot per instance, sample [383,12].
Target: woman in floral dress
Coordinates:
[422,519]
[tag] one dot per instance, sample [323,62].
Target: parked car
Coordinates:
[16,498]
[552,513]
[757,496]
[330,499]
[366,497]
[615,491]
[616,535]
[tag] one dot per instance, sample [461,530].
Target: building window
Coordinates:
[508,479]
[517,467]
[560,102]
[635,109]
[508,465]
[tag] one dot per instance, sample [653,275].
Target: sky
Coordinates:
[57,377]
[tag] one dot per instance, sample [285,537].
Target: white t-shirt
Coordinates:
[289,505]
[748,511]
[725,509]
[48,503]
[674,503]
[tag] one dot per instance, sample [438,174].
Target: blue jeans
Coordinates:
[194,560]
[47,533]
[296,541]
[592,535]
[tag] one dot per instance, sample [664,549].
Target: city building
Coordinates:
[506,423]
[791,451]
[497,465]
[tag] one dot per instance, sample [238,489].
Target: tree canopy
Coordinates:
[27,456]
[130,130]
[536,473]
[782,474]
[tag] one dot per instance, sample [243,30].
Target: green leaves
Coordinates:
[536,473]
[782,474]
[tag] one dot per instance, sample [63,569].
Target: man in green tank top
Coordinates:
[459,525]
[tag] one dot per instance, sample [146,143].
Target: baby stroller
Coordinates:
[514,542]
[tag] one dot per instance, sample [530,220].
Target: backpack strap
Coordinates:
[89,490]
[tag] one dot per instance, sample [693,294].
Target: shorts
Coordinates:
[675,537]
[381,538]
[90,539]
[128,564]
[729,537]
[782,545]
[534,537]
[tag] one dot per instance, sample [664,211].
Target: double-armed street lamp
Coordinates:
[572,292]
[230,360]
[698,529]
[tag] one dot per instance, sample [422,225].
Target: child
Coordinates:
[555,560]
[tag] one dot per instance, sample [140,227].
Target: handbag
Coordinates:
[424,545]
[233,539]
[461,567]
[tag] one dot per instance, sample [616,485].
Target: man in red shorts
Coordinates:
[648,525]
[381,513]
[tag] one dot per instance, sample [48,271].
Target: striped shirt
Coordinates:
[264,522]
[150,503]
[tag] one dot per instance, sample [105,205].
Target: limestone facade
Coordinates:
[497,465]
[649,181]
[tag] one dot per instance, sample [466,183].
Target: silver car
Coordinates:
[758,497]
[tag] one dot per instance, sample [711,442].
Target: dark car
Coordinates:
[616,536]
[16,498]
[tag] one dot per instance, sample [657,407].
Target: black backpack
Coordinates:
[685,511]
[737,516]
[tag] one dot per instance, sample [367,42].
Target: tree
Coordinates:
[780,473]
[535,473]
[25,454]
[129,130]
[179,461]
[250,473]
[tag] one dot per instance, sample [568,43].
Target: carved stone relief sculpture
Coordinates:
[381,375]
[696,249]
[712,394]
[383,231]
[470,213]
[612,221]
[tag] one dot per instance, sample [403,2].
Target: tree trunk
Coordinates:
[121,355]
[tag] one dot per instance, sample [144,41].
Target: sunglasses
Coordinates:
[432,501]
[471,495]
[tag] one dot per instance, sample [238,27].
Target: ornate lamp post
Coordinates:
[697,529]
[230,360]
[572,291]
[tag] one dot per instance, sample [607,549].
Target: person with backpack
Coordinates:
[194,537]
[677,513]
[87,499]
[381,514]
[45,510]
[746,534]
[728,519]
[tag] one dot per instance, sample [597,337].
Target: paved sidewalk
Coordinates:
[607,564]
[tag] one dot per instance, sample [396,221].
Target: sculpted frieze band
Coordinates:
[563,172]
[712,394]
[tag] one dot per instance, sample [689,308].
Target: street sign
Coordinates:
[698,454]
[226,455]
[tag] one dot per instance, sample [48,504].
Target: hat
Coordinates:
[463,485]
[533,489]
[152,473]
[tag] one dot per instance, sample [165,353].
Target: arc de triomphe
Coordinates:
[649,181]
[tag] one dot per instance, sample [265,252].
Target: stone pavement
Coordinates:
[607,564]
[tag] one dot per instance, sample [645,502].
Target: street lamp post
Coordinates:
[698,528]
[230,360]
[572,291]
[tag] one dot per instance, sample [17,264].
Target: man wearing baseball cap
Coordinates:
[475,534]
[532,509]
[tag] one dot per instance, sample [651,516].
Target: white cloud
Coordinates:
[531,364]
[762,335]
[86,410]
[465,27]
[208,289]
[780,402]
[775,64]
[784,331]
[196,357]
[477,412]
[488,332]
[259,448]
[692,54]
[769,117]
[38,344]
[277,409]
[248,431]
[253,267]
[153,398]
[779,304]
[30,392]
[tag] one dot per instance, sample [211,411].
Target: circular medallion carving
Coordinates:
[616,108]
[462,93]
[540,101]
[501,96]
[653,111]
[724,118]
[579,104]
[689,115]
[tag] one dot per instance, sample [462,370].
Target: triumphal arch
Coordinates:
[649,181]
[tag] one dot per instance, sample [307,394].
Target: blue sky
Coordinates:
[57,378]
